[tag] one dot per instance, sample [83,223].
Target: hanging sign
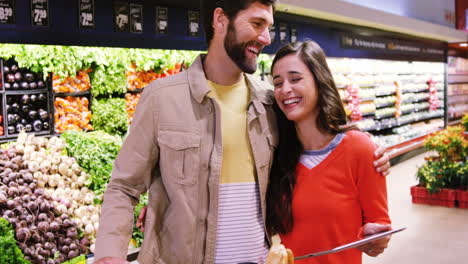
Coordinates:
[350,41]
[86,15]
[193,23]
[283,32]
[162,20]
[121,16]
[7,12]
[136,18]
[40,12]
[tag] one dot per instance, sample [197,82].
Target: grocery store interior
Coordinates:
[72,73]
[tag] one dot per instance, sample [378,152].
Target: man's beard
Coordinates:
[236,51]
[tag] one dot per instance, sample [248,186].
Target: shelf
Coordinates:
[384,105]
[368,114]
[385,116]
[416,91]
[74,94]
[385,94]
[396,123]
[449,83]
[21,92]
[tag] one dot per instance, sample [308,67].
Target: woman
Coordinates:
[330,194]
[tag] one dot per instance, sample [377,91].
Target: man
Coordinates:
[201,143]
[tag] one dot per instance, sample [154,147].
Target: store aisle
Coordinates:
[434,235]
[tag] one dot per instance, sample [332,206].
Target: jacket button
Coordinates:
[208,109]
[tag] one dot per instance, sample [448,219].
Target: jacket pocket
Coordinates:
[179,156]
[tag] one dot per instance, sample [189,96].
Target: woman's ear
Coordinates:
[219,20]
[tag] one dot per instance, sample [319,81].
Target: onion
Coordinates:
[89,229]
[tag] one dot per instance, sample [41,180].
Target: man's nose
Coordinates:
[264,37]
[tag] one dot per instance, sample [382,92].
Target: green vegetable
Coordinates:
[9,251]
[110,115]
[95,152]
[78,260]
[137,235]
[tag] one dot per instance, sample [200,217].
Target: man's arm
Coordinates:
[131,176]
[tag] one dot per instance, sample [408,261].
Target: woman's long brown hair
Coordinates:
[331,119]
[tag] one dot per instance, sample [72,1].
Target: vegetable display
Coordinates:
[81,82]
[28,112]
[95,152]
[139,79]
[43,234]
[9,251]
[110,116]
[131,101]
[72,113]
[17,78]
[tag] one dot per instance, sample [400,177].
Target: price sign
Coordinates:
[283,32]
[7,11]
[121,16]
[272,33]
[86,14]
[162,20]
[293,34]
[40,12]
[193,23]
[136,18]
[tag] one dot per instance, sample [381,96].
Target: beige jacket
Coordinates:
[174,150]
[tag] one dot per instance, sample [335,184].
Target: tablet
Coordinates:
[354,244]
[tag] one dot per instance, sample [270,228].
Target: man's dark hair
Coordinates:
[231,9]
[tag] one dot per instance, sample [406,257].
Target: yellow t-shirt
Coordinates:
[238,164]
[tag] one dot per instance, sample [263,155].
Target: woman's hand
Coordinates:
[375,247]
[382,162]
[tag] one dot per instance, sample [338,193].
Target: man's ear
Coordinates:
[219,20]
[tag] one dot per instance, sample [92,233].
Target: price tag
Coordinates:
[7,11]
[273,33]
[283,32]
[293,34]
[162,20]
[40,12]
[86,13]
[136,18]
[121,16]
[193,23]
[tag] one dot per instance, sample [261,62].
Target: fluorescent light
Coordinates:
[463,44]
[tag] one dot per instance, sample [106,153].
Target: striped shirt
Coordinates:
[240,225]
[312,158]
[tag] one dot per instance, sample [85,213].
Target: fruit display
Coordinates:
[131,101]
[139,79]
[21,79]
[79,83]
[72,113]
[28,111]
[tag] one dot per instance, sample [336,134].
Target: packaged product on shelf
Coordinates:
[72,113]
[79,83]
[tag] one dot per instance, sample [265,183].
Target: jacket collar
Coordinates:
[199,86]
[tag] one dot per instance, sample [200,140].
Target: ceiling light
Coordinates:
[463,44]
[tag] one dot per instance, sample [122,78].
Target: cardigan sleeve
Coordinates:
[372,186]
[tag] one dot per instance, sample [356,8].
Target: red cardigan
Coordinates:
[332,201]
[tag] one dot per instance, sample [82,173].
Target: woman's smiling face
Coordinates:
[295,89]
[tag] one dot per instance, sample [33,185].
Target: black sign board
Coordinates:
[136,18]
[349,41]
[40,12]
[293,34]
[162,20]
[86,15]
[193,23]
[273,33]
[7,11]
[283,32]
[121,16]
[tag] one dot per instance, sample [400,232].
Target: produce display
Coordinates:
[17,78]
[110,115]
[9,251]
[72,113]
[131,101]
[44,235]
[28,112]
[139,79]
[81,82]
